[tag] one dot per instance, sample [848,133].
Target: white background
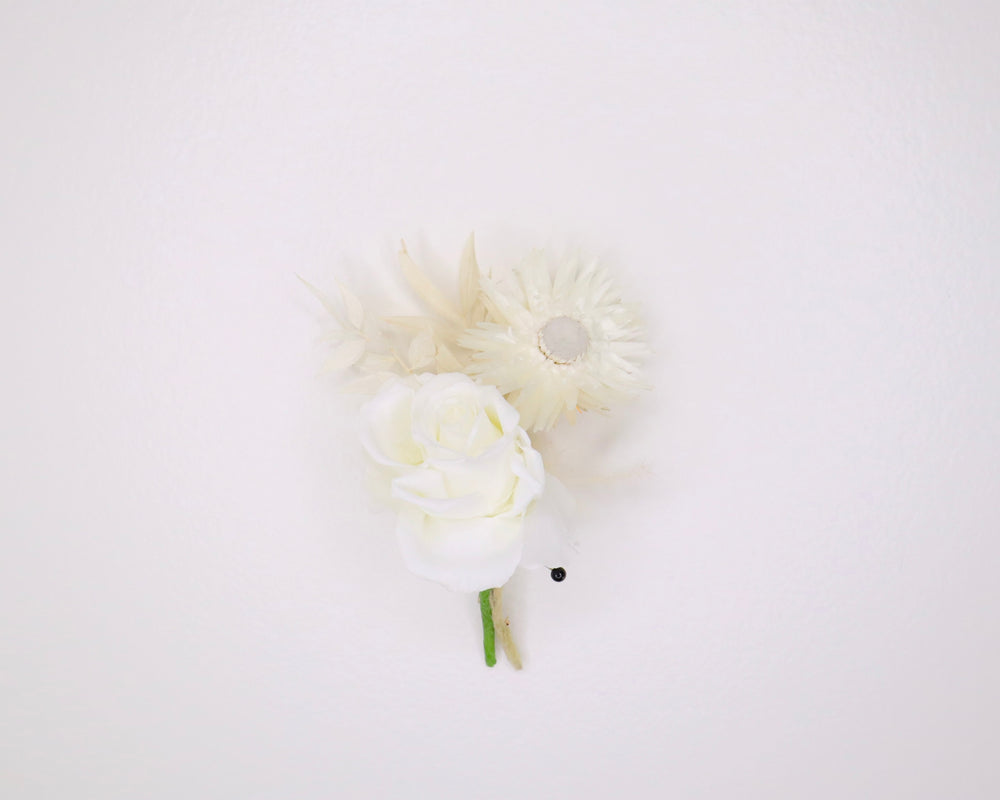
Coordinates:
[791,592]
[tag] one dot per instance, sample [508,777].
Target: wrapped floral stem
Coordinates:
[489,630]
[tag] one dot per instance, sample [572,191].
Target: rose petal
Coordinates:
[484,434]
[463,555]
[503,414]
[531,477]
[493,475]
[447,439]
[428,490]
[385,426]
[438,389]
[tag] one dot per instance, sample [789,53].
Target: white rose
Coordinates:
[463,472]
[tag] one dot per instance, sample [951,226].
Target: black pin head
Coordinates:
[558,574]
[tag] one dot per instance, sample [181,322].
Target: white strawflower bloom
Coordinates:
[556,344]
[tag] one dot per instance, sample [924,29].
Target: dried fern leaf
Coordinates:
[345,355]
[377,362]
[355,311]
[422,351]
[446,361]
[426,289]
[468,278]
[328,304]
[369,384]
[411,323]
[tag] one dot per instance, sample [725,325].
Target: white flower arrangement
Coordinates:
[457,394]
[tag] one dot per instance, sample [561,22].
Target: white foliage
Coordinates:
[369,384]
[345,355]
[426,290]
[327,303]
[355,311]
[378,362]
[446,360]
[468,279]
[422,351]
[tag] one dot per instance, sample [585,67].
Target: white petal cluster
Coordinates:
[556,341]
[463,474]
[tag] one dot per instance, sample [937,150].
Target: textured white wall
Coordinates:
[800,600]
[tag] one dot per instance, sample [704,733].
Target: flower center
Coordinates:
[563,340]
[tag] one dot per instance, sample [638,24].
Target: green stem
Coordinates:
[489,634]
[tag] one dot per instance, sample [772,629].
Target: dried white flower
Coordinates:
[556,344]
